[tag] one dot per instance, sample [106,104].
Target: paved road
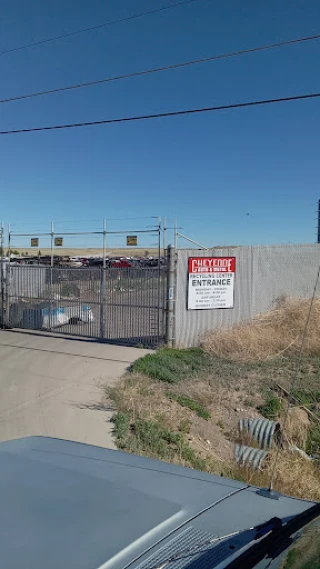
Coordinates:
[52,386]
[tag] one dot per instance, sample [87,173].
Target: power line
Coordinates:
[97,27]
[166,114]
[164,68]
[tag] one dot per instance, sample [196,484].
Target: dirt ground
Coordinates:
[213,437]
[194,422]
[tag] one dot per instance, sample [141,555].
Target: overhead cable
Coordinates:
[163,115]
[97,27]
[158,69]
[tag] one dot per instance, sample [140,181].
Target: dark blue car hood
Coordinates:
[75,506]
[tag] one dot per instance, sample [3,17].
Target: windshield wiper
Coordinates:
[278,538]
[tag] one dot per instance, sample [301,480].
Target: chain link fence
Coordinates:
[125,306]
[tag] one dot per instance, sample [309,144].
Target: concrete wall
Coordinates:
[263,274]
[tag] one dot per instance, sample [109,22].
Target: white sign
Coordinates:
[211,282]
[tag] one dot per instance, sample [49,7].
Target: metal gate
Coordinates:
[120,305]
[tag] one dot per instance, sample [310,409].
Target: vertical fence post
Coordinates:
[52,243]
[103,292]
[8,281]
[51,278]
[104,244]
[175,234]
[160,332]
[9,241]
[164,236]
[171,297]
[164,278]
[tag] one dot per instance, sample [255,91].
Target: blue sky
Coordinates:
[235,177]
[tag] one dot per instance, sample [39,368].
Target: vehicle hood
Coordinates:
[75,506]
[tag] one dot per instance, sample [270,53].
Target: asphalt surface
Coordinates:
[53,386]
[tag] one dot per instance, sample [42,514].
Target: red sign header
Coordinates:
[212,264]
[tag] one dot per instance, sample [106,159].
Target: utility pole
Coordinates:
[318,221]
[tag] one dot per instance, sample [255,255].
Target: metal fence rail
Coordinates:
[124,305]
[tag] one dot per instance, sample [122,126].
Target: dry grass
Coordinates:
[297,427]
[149,400]
[183,406]
[145,402]
[273,334]
[295,476]
[146,399]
